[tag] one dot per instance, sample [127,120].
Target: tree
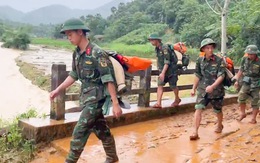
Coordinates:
[223,12]
[17,40]
[96,24]
[56,32]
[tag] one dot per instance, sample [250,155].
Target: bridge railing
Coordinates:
[59,74]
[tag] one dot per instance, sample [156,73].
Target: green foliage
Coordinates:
[144,50]
[57,43]
[14,148]
[231,90]
[140,35]
[56,33]
[96,24]
[17,40]
[244,27]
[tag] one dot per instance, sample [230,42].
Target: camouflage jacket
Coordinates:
[166,56]
[93,69]
[251,69]
[208,70]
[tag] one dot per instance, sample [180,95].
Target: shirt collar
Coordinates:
[213,57]
[256,59]
[87,51]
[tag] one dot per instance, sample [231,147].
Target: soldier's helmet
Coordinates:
[154,36]
[207,41]
[251,49]
[74,24]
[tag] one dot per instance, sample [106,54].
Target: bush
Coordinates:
[14,148]
[17,41]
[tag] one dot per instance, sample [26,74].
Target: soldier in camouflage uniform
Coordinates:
[93,68]
[209,75]
[250,73]
[167,66]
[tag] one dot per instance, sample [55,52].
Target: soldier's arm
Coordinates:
[73,73]
[195,83]
[106,70]
[241,69]
[198,73]
[221,74]
[167,59]
[73,76]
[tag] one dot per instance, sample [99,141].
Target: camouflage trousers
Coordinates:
[202,102]
[245,92]
[91,120]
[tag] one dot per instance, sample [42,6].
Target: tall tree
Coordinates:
[223,11]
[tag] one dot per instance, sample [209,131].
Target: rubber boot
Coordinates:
[110,149]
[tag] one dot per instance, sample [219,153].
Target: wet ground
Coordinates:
[167,141]
[156,141]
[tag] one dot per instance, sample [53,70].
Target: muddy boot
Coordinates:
[110,149]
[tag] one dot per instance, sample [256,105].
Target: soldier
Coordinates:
[250,70]
[167,66]
[209,74]
[92,67]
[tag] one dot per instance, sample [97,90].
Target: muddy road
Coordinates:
[166,140]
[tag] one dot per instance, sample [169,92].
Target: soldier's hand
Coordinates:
[192,92]
[53,94]
[209,89]
[236,85]
[161,77]
[117,111]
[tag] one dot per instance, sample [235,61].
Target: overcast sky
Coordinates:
[29,5]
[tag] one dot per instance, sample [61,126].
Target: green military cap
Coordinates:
[74,24]
[207,41]
[154,36]
[251,49]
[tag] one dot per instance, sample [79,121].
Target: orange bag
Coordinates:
[180,47]
[201,54]
[229,62]
[135,63]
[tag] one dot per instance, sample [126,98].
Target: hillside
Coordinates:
[54,14]
[8,13]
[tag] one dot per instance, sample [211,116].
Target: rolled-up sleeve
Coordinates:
[73,73]
[167,56]
[221,69]
[198,69]
[242,66]
[105,68]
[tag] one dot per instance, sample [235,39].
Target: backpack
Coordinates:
[179,49]
[229,69]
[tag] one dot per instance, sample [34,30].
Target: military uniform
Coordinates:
[94,69]
[164,56]
[208,70]
[250,82]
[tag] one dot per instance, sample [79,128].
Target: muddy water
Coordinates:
[17,93]
[167,141]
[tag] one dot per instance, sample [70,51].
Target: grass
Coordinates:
[37,77]
[14,147]
[145,51]
[53,43]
